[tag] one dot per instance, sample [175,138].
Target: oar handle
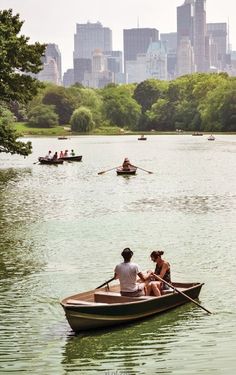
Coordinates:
[183,294]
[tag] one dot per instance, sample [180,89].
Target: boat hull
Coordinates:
[96,315]
[50,161]
[72,158]
[124,172]
[142,139]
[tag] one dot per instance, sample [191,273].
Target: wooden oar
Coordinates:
[183,294]
[106,283]
[142,169]
[108,170]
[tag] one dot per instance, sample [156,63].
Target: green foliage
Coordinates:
[16,58]
[43,116]
[120,108]
[218,111]
[8,136]
[63,102]
[148,92]
[82,120]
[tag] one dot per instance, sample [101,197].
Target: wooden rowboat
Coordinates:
[142,138]
[72,158]
[101,308]
[197,134]
[211,138]
[127,172]
[50,161]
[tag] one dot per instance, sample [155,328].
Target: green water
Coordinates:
[62,229]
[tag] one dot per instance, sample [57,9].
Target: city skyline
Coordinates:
[59,20]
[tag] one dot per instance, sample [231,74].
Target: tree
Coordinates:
[18,58]
[43,116]
[82,120]
[8,136]
[148,92]
[120,108]
[63,102]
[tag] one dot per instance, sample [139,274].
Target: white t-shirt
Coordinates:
[127,274]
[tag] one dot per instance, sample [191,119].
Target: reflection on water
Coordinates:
[129,348]
[62,230]
[188,204]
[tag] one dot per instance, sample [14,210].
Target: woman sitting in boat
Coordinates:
[66,154]
[127,273]
[55,156]
[72,153]
[61,155]
[162,270]
[126,164]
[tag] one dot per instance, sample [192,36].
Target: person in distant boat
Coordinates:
[61,155]
[126,164]
[155,286]
[66,154]
[49,155]
[55,156]
[72,153]
[127,273]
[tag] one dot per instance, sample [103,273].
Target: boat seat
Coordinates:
[80,302]
[115,297]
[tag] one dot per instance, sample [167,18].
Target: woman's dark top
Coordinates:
[166,277]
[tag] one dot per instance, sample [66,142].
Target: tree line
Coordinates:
[196,102]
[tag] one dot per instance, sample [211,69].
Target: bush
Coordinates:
[43,116]
[82,120]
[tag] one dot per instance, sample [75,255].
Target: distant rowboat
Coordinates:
[211,138]
[131,171]
[142,138]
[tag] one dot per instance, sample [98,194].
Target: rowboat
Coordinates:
[211,138]
[197,134]
[105,307]
[62,137]
[49,161]
[142,138]
[71,158]
[131,171]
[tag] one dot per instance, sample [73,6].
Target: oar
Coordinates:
[108,170]
[142,169]
[106,282]
[183,294]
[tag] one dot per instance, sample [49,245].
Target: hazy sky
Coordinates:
[54,21]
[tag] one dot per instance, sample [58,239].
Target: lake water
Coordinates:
[62,229]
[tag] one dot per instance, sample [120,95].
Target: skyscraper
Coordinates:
[51,60]
[137,41]
[89,37]
[185,15]
[217,33]
[199,40]
[52,52]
